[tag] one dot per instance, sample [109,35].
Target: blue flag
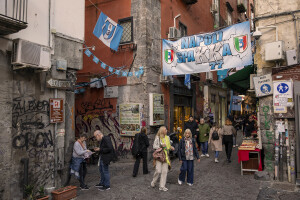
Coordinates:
[187,81]
[108,31]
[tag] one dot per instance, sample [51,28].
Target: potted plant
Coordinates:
[32,194]
[64,193]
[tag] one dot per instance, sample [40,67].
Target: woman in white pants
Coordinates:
[162,168]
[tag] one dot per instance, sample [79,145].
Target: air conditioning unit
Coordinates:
[174,33]
[29,54]
[214,8]
[209,76]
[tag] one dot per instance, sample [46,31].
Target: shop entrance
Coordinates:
[182,111]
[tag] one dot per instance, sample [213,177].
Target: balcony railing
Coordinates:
[13,16]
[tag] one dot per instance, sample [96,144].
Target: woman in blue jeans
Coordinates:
[187,153]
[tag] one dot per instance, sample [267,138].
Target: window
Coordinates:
[229,18]
[182,29]
[216,4]
[127,24]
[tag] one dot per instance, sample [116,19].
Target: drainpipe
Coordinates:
[175,19]
[25,161]
[297,39]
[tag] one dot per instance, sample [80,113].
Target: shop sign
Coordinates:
[157,113]
[130,118]
[263,85]
[111,92]
[283,96]
[56,110]
[59,83]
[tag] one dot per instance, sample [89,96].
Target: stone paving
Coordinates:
[211,181]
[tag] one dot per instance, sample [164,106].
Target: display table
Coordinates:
[247,163]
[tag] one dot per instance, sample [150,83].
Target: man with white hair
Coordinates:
[106,150]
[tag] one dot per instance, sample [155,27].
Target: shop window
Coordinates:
[182,29]
[127,24]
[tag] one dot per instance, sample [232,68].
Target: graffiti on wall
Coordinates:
[269,136]
[99,115]
[33,138]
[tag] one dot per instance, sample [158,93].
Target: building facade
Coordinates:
[35,151]
[278,22]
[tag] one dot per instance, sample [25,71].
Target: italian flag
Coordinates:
[237,43]
[169,56]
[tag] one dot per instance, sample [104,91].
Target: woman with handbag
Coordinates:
[162,147]
[215,140]
[187,153]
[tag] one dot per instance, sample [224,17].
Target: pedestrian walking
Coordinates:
[204,129]
[78,163]
[106,156]
[162,141]
[215,140]
[228,132]
[141,153]
[192,125]
[187,153]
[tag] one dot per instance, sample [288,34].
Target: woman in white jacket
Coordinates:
[162,141]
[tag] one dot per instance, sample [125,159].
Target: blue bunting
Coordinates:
[88,53]
[124,73]
[110,69]
[96,60]
[103,65]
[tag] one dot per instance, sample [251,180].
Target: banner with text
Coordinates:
[223,49]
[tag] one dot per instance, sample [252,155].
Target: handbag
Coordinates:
[159,155]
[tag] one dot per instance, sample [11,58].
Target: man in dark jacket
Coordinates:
[106,150]
[143,144]
[192,125]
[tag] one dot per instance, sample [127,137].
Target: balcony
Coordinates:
[190,1]
[13,16]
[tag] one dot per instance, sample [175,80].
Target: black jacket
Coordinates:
[181,149]
[192,126]
[106,150]
[143,142]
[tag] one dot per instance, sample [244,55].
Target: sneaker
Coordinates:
[216,160]
[133,175]
[163,189]
[190,184]
[152,184]
[202,155]
[179,182]
[207,156]
[233,146]
[99,185]
[84,187]
[104,188]
[228,160]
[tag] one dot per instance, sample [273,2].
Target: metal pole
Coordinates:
[276,153]
[54,146]
[287,144]
[281,158]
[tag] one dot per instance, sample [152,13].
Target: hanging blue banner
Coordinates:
[224,49]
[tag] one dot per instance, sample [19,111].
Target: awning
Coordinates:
[240,81]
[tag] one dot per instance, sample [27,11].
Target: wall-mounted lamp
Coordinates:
[92,47]
[257,34]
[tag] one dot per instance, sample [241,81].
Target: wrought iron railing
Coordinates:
[14,9]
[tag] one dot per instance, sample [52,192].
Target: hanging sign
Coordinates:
[157,112]
[56,110]
[223,49]
[263,85]
[283,96]
[129,118]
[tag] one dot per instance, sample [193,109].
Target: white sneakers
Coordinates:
[179,182]
[207,156]
[216,160]
[190,184]
[163,189]
[202,155]
[152,184]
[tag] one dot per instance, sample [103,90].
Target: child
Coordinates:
[186,153]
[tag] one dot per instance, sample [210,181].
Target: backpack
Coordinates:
[136,145]
[215,135]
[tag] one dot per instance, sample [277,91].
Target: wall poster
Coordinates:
[130,122]
[157,113]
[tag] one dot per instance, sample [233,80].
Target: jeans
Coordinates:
[217,154]
[104,172]
[204,147]
[228,141]
[187,167]
[143,156]
[234,140]
[82,173]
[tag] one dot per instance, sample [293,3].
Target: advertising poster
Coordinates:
[237,103]
[129,119]
[283,96]
[157,113]
[224,49]
[263,85]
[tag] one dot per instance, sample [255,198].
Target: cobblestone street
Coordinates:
[212,181]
